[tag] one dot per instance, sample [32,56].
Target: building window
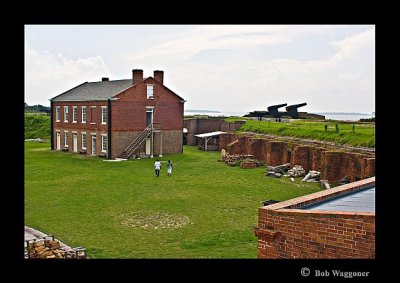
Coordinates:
[66,114]
[83,140]
[83,114]
[150,91]
[74,114]
[103,114]
[103,143]
[57,113]
[92,114]
[66,136]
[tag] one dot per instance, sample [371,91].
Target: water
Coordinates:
[340,117]
[217,114]
[346,117]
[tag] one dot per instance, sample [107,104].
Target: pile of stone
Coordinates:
[297,171]
[235,159]
[277,171]
[312,176]
[248,163]
[344,181]
[47,248]
[324,184]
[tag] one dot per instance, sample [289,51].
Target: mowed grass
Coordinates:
[206,209]
[363,134]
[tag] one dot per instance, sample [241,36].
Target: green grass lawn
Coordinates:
[206,209]
[363,134]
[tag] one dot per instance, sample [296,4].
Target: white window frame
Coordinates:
[150,87]
[103,115]
[74,114]
[83,121]
[91,143]
[58,132]
[66,138]
[83,139]
[58,113]
[103,139]
[91,115]
[66,114]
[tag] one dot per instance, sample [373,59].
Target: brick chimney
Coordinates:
[105,79]
[137,76]
[159,76]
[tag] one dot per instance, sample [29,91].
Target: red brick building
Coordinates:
[334,223]
[122,118]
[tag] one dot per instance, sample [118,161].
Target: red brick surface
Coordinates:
[128,118]
[333,165]
[284,231]
[276,152]
[302,155]
[202,125]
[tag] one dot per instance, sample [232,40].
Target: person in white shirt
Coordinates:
[157,167]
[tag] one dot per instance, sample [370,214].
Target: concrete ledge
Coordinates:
[318,196]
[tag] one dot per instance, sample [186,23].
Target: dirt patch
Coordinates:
[155,221]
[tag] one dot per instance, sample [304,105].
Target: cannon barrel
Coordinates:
[276,106]
[295,106]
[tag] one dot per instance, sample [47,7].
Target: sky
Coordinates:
[227,68]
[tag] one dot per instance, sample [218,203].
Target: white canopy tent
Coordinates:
[208,136]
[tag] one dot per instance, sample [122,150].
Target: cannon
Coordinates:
[273,111]
[292,110]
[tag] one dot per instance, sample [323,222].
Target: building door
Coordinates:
[75,140]
[148,144]
[149,116]
[58,141]
[93,145]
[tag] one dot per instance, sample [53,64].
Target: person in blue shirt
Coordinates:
[169,167]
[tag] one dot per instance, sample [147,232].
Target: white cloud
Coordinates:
[47,74]
[230,68]
[185,44]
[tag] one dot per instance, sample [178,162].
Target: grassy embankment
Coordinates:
[37,126]
[362,134]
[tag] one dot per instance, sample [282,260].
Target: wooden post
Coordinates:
[151,141]
[160,143]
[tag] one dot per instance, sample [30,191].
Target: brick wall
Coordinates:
[333,165]
[302,155]
[225,139]
[129,112]
[316,158]
[276,153]
[172,142]
[92,126]
[284,231]
[368,168]
[128,119]
[200,126]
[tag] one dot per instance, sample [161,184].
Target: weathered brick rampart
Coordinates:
[334,165]
[285,230]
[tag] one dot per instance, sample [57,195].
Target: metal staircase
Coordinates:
[137,142]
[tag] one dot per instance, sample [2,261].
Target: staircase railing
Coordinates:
[134,145]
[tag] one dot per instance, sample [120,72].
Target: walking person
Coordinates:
[169,167]
[157,167]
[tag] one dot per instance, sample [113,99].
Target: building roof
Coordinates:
[206,135]
[95,91]
[360,201]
